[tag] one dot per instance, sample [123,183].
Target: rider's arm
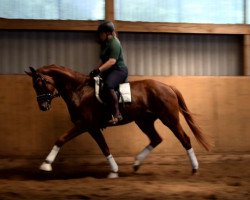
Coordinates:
[115,49]
[105,66]
[100,63]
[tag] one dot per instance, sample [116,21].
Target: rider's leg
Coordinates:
[114,106]
[112,79]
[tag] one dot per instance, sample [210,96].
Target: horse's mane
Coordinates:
[67,73]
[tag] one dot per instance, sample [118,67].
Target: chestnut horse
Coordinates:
[151,100]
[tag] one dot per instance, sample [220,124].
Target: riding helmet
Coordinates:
[106,26]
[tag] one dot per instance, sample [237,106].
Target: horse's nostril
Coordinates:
[44,106]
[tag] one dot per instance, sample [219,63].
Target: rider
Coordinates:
[111,67]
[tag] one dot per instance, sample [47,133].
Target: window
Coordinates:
[190,11]
[247,11]
[53,9]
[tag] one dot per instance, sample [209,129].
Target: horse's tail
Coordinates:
[190,120]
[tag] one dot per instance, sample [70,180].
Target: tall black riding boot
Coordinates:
[114,105]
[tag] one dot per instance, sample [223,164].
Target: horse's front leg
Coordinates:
[100,140]
[67,136]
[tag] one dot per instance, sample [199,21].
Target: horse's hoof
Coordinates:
[136,165]
[194,171]
[113,175]
[46,167]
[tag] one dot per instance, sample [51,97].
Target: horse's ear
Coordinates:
[32,70]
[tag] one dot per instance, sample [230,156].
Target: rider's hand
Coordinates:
[94,73]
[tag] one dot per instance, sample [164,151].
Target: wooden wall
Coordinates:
[221,104]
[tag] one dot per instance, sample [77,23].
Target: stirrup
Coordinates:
[115,120]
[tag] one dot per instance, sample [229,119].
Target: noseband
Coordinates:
[44,95]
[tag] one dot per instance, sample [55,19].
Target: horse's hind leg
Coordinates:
[100,140]
[178,131]
[146,124]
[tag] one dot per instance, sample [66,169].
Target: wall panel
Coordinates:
[20,49]
[221,105]
[145,53]
[182,54]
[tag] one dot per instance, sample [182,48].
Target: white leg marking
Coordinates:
[141,156]
[193,158]
[46,166]
[52,155]
[113,166]
[112,163]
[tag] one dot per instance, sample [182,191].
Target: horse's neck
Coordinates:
[67,82]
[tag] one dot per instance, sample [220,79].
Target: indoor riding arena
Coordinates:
[201,47]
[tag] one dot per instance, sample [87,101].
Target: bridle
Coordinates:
[44,94]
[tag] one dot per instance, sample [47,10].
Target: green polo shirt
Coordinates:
[112,49]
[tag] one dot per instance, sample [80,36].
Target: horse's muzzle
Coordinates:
[44,106]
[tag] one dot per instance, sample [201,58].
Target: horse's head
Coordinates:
[44,87]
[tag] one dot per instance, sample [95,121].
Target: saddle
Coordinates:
[123,92]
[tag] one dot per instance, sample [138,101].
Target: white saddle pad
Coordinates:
[124,89]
